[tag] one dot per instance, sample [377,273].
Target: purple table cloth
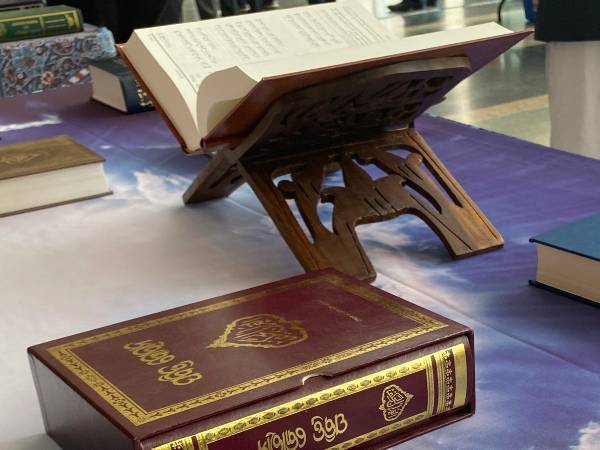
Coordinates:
[79,266]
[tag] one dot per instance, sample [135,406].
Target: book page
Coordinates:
[234,83]
[190,52]
[394,46]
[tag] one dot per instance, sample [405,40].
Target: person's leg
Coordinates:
[406,6]
[256,5]
[169,11]
[244,6]
[206,9]
[574,92]
[271,4]
[229,7]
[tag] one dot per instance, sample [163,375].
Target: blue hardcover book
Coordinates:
[569,259]
[115,86]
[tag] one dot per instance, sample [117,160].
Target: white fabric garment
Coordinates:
[573,70]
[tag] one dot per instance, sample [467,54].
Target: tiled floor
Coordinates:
[507,96]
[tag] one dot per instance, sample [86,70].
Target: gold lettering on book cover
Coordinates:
[372,381]
[137,415]
[288,440]
[154,353]
[380,432]
[180,374]
[393,402]
[340,311]
[328,428]
[150,352]
[261,331]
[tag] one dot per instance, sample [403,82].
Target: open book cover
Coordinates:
[214,80]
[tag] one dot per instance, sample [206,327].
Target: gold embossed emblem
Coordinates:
[18,158]
[182,444]
[393,401]
[262,331]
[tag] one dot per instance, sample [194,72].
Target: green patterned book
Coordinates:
[39,22]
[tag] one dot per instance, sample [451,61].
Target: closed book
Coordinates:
[114,85]
[48,172]
[569,259]
[51,62]
[12,5]
[316,361]
[38,22]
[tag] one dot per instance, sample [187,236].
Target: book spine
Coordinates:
[379,407]
[136,99]
[32,25]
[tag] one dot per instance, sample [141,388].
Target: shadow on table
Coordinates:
[36,442]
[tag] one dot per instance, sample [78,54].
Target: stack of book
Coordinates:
[14,5]
[48,47]
[26,23]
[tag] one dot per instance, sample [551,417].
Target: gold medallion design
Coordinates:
[393,401]
[261,331]
[66,353]
[18,158]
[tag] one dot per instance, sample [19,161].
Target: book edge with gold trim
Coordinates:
[319,411]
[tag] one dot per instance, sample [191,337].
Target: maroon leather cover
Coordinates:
[161,377]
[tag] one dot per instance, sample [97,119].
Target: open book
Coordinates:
[214,80]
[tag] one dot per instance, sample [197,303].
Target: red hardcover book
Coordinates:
[319,361]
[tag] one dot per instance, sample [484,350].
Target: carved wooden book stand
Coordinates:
[348,124]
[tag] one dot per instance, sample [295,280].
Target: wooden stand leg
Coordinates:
[219,179]
[418,184]
[260,180]
[479,234]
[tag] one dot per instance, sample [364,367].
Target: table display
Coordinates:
[142,251]
[264,117]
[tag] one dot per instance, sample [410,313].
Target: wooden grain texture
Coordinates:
[219,179]
[348,125]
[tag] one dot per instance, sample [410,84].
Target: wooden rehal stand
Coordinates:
[347,124]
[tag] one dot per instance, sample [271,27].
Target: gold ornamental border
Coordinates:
[424,363]
[138,416]
[314,400]
[64,13]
